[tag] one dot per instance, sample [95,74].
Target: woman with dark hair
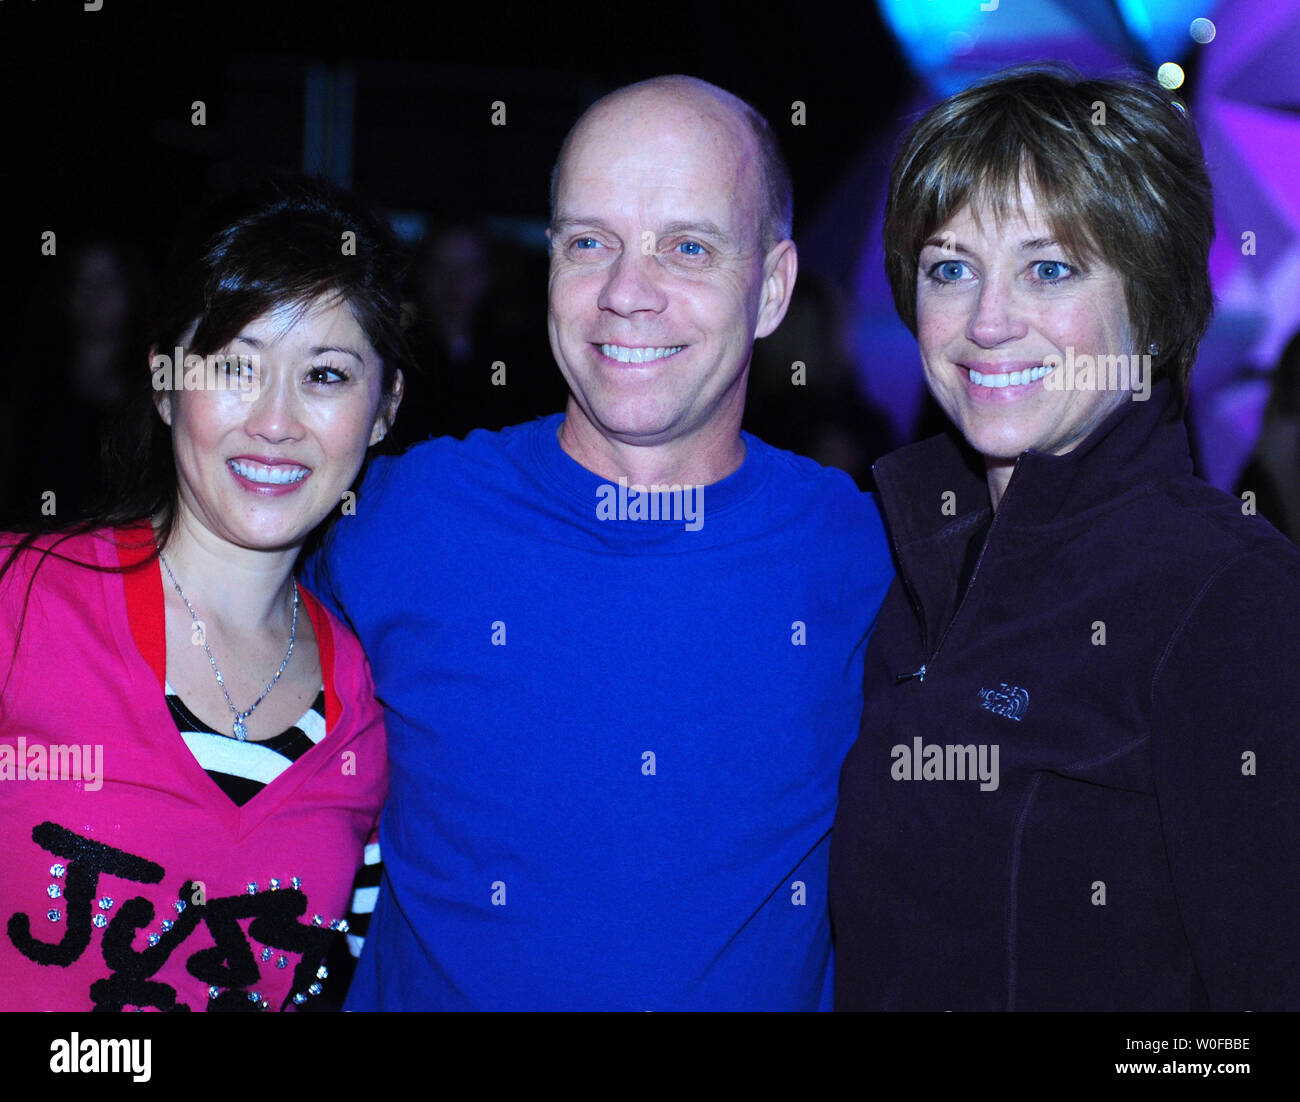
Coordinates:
[1074,783]
[197,756]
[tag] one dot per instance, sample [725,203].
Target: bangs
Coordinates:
[991,178]
[231,311]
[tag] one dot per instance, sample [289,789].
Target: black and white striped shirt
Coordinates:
[243,769]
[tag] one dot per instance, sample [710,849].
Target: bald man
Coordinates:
[620,648]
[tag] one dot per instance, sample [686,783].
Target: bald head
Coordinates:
[691,101]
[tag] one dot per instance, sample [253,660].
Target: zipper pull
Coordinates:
[919,675]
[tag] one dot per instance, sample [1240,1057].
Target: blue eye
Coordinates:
[691,248]
[947,271]
[585,243]
[1052,271]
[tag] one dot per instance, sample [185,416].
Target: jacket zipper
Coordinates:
[919,674]
[917,611]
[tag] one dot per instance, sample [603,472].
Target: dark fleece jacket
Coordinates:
[1125,668]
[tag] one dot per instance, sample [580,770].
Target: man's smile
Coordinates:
[627,354]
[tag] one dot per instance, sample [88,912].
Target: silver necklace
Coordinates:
[241,732]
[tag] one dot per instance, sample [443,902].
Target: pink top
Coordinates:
[130,880]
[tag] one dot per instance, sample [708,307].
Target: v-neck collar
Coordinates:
[143,590]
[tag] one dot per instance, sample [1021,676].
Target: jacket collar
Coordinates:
[934,494]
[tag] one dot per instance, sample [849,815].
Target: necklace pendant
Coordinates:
[241,732]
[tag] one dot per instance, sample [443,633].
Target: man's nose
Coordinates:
[634,284]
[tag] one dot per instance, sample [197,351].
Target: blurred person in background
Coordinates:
[803,391]
[90,324]
[479,362]
[1273,473]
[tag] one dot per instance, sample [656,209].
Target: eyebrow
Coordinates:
[315,350]
[320,348]
[703,227]
[1028,245]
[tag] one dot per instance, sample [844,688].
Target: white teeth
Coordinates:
[1015,378]
[274,476]
[638,355]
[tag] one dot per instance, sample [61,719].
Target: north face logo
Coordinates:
[1006,700]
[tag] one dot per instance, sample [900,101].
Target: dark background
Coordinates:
[396,101]
[99,145]
[97,108]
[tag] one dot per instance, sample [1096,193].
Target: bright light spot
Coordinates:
[1202,31]
[1170,75]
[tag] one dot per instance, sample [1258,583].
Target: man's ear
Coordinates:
[780,267]
[162,397]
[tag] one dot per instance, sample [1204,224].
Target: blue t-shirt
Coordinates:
[615,742]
